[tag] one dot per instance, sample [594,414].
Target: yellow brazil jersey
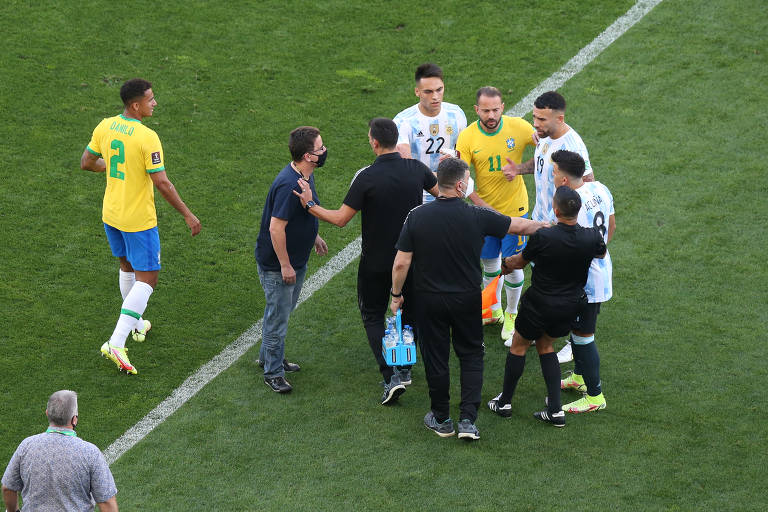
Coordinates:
[131,152]
[488,153]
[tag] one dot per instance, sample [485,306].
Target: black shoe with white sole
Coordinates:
[288,367]
[392,390]
[502,410]
[278,384]
[468,431]
[557,419]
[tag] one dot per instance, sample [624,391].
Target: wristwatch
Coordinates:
[310,204]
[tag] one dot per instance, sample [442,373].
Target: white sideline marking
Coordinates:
[585,55]
[224,359]
[336,264]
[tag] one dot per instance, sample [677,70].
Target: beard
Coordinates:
[490,124]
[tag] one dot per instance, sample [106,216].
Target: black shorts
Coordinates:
[586,322]
[553,316]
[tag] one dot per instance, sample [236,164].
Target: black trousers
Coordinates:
[442,318]
[373,292]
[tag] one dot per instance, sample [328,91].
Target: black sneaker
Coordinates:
[290,367]
[278,384]
[557,419]
[287,366]
[444,429]
[468,431]
[392,390]
[502,410]
[405,375]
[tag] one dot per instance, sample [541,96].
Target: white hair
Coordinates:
[62,406]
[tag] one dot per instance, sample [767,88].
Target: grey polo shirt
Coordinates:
[57,472]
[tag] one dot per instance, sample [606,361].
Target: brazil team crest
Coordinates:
[510,143]
[434,129]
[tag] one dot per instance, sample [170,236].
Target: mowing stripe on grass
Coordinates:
[336,264]
[224,359]
[585,56]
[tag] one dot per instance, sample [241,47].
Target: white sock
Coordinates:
[513,284]
[491,269]
[134,305]
[127,280]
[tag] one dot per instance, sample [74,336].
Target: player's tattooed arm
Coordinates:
[526,167]
[512,169]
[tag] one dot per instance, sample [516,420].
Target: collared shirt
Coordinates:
[57,471]
[301,229]
[384,193]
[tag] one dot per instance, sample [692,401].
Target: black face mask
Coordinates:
[321,158]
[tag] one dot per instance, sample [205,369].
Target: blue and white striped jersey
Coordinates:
[544,175]
[596,208]
[428,135]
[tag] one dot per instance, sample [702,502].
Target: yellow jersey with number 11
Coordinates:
[488,153]
[131,152]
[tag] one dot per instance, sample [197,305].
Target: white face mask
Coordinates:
[463,192]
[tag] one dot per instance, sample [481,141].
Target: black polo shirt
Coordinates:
[562,255]
[384,193]
[445,237]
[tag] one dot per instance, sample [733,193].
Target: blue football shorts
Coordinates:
[141,249]
[507,246]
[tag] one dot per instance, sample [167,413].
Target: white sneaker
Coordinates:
[566,353]
[508,343]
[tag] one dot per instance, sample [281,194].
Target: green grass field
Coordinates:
[673,114]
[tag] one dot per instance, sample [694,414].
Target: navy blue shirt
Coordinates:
[301,230]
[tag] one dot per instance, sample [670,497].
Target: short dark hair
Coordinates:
[133,89]
[428,70]
[489,91]
[451,171]
[302,140]
[569,162]
[385,131]
[567,201]
[550,99]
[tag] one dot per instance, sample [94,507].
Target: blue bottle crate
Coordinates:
[399,355]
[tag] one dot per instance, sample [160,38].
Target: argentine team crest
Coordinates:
[510,143]
[545,148]
[434,129]
[449,129]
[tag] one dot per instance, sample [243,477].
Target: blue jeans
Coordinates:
[281,299]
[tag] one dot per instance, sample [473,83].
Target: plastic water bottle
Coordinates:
[390,338]
[390,324]
[407,335]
